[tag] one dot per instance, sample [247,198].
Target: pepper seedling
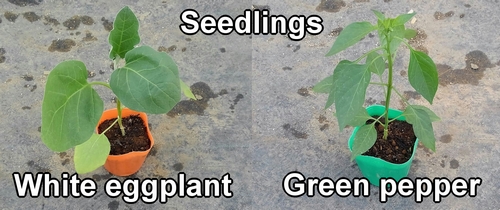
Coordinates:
[148,82]
[348,84]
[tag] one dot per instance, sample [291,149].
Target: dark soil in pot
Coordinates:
[135,139]
[398,147]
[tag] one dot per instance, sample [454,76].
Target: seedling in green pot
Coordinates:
[148,82]
[347,86]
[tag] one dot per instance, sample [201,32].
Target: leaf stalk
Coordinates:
[119,109]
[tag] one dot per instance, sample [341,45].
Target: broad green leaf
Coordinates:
[92,154]
[125,33]
[324,86]
[379,15]
[186,90]
[335,77]
[351,34]
[422,74]
[402,19]
[363,140]
[71,108]
[432,116]
[351,81]
[410,33]
[375,63]
[149,81]
[422,126]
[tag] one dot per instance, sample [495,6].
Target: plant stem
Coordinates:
[367,53]
[102,133]
[118,102]
[115,63]
[119,108]
[401,96]
[389,87]
[378,83]
[100,83]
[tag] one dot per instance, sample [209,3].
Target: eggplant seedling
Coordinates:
[148,82]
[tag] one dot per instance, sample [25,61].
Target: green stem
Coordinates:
[389,88]
[378,83]
[404,42]
[366,54]
[118,102]
[109,127]
[115,63]
[119,109]
[401,96]
[377,119]
[100,83]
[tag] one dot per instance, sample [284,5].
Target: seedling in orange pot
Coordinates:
[72,111]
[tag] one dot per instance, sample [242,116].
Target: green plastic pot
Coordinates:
[375,168]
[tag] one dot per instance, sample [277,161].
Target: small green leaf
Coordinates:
[149,82]
[410,33]
[379,15]
[397,35]
[363,140]
[351,34]
[92,154]
[375,63]
[387,23]
[402,19]
[422,74]
[432,116]
[71,108]
[359,118]
[351,81]
[324,86]
[422,126]
[331,99]
[125,33]
[186,90]
[380,32]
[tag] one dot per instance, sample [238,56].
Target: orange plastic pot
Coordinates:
[130,163]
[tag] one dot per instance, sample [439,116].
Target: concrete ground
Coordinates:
[259,119]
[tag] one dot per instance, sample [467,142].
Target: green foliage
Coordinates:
[422,74]
[71,108]
[351,34]
[364,140]
[375,63]
[125,34]
[422,125]
[347,86]
[149,82]
[324,86]
[186,90]
[91,154]
[351,81]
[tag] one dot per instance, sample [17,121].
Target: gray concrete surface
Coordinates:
[262,128]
